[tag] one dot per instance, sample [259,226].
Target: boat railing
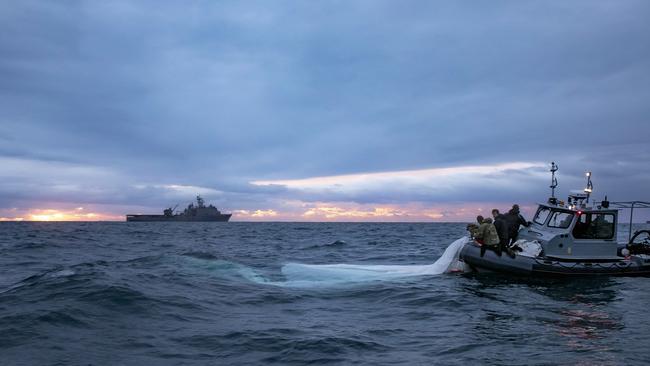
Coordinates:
[631,205]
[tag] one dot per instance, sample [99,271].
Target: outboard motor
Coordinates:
[640,243]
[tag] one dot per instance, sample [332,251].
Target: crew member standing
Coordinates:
[502,229]
[514,219]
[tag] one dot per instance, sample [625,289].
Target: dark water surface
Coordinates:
[232,293]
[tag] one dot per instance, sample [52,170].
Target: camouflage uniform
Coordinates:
[487,232]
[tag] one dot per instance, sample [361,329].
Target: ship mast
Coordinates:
[590,186]
[554,168]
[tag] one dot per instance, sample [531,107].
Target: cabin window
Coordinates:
[594,226]
[542,215]
[560,219]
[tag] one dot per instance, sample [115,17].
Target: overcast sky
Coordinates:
[319,110]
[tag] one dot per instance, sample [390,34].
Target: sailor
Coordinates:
[514,219]
[473,228]
[487,236]
[601,228]
[502,228]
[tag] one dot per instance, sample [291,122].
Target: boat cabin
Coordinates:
[570,232]
[575,230]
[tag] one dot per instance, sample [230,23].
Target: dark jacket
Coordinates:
[513,220]
[502,229]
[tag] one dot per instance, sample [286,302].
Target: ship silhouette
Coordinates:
[198,212]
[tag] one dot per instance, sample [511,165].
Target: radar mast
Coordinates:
[554,168]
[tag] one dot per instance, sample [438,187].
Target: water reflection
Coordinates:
[587,324]
[583,318]
[571,315]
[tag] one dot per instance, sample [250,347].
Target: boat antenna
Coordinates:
[590,186]
[554,168]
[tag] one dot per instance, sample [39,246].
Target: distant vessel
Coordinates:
[200,212]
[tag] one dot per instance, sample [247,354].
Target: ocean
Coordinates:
[294,294]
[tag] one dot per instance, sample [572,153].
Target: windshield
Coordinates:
[542,215]
[560,219]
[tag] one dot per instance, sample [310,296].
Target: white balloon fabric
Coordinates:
[299,275]
[529,248]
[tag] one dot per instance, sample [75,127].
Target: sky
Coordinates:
[319,110]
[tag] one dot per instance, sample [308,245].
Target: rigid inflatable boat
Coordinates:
[576,238]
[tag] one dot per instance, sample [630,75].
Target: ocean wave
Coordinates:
[200,255]
[225,269]
[324,350]
[334,244]
[119,298]
[61,318]
[289,343]
[32,280]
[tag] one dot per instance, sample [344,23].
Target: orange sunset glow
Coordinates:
[346,212]
[76,214]
[294,211]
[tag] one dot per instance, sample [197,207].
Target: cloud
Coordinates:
[407,177]
[424,185]
[257,214]
[116,103]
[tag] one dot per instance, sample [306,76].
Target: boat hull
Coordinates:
[521,265]
[178,218]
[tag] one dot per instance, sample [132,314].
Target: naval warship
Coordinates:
[200,212]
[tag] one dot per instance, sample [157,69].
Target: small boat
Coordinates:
[575,238]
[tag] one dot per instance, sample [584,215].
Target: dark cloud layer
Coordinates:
[113,102]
